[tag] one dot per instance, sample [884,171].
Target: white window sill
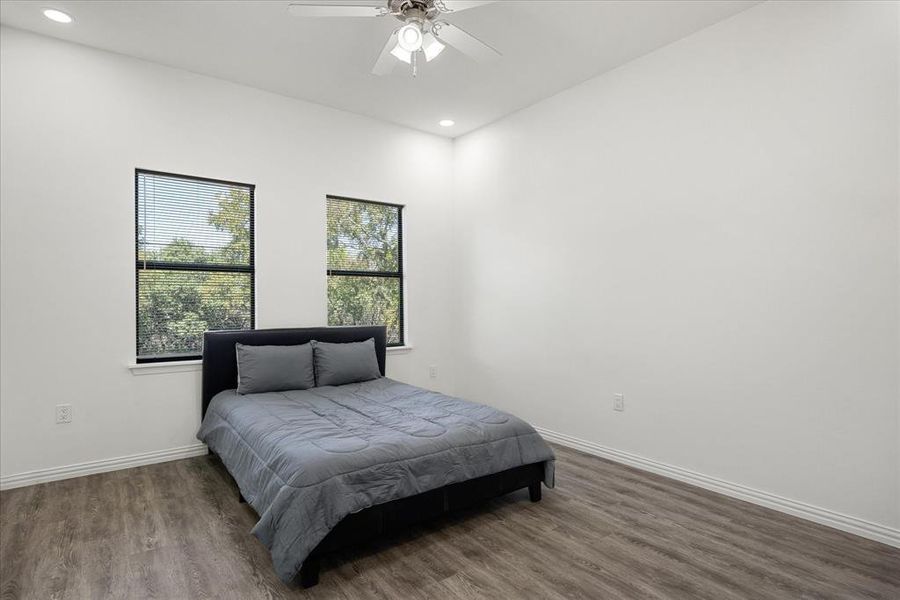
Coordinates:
[399,349]
[182,366]
[160,368]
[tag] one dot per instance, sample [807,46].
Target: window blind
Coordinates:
[194,262]
[365,265]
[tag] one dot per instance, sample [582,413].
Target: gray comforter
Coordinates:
[304,460]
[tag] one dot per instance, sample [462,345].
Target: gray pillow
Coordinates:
[274,368]
[337,364]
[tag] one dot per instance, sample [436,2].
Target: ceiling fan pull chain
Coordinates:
[415,63]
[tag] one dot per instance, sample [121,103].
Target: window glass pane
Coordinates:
[354,300]
[176,307]
[192,221]
[363,236]
[194,262]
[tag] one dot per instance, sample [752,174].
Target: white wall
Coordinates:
[75,124]
[711,230]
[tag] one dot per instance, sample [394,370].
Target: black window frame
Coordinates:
[172,266]
[399,274]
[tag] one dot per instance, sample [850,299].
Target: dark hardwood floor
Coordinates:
[176,530]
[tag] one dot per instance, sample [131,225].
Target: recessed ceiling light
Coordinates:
[57,15]
[447,123]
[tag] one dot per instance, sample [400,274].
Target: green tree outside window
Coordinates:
[365,265]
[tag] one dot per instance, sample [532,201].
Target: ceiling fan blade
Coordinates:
[386,61]
[465,42]
[338,8]
[448,6]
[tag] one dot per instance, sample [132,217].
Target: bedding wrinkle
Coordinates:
[387,415]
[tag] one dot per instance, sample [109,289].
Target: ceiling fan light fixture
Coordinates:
[401,54]
[431,46]
[410,37]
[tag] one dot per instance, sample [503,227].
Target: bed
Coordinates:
[334,466]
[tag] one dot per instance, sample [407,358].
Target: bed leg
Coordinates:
[534,491]
[309,573]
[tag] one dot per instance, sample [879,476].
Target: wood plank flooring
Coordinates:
[176,530]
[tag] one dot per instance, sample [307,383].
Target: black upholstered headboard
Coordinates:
[220,358]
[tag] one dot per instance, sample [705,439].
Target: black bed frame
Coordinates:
[220,373]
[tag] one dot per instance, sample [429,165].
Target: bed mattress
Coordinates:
[306,459]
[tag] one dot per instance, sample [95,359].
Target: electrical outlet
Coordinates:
[63,413]
[432,372]
[619,402]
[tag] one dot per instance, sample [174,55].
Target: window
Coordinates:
[365,265]
[194,262]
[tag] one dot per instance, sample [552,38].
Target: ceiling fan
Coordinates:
[424,32]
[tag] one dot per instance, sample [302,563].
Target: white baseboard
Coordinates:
[100,466]
[823,516]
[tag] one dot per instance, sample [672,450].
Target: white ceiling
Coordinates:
[547,46]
